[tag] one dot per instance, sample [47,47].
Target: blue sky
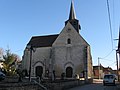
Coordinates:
[22,19]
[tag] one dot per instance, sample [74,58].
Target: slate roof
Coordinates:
[97,67]
[42,41]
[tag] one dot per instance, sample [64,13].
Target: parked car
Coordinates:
[109,79]
[2,76]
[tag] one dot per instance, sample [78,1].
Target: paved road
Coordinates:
[96,86]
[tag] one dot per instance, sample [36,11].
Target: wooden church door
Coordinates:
[39,71]
[69,72]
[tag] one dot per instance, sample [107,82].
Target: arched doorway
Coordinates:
[39,71]
[69,72]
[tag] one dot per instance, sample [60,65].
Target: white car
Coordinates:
[109,79]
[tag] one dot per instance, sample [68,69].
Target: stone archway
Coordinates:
[39,71]
[69,72]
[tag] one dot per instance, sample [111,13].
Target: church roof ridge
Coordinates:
[45,35]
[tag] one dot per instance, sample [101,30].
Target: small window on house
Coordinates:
[69,41]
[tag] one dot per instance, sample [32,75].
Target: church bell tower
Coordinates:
[72,19]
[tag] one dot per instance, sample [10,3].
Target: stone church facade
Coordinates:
[66,53]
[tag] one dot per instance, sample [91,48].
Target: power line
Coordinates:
[105,60]
[113,17]
[112,64]
[107,54]
[110,23]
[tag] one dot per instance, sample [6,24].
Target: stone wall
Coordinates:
[55,85]
[19,86]
[66,84]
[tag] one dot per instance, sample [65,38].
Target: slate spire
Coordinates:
[72,18]
[72,12]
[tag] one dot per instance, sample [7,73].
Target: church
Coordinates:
[66,53]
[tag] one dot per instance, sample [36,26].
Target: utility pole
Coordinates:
[117,64]
[118,51]
[98,68]
[119,68]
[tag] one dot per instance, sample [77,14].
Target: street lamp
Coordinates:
[30,47]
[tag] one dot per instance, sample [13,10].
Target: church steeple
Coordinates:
[72,12]
[72,18]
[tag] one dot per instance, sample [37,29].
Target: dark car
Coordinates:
[2,76]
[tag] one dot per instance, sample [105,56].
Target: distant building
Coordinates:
[65,54]
[100,71]
[115,72]
[108,70]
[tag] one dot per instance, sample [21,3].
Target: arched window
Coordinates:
[69,41]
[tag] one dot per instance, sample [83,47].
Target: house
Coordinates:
[65,54]
[98,72]
[108,70]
